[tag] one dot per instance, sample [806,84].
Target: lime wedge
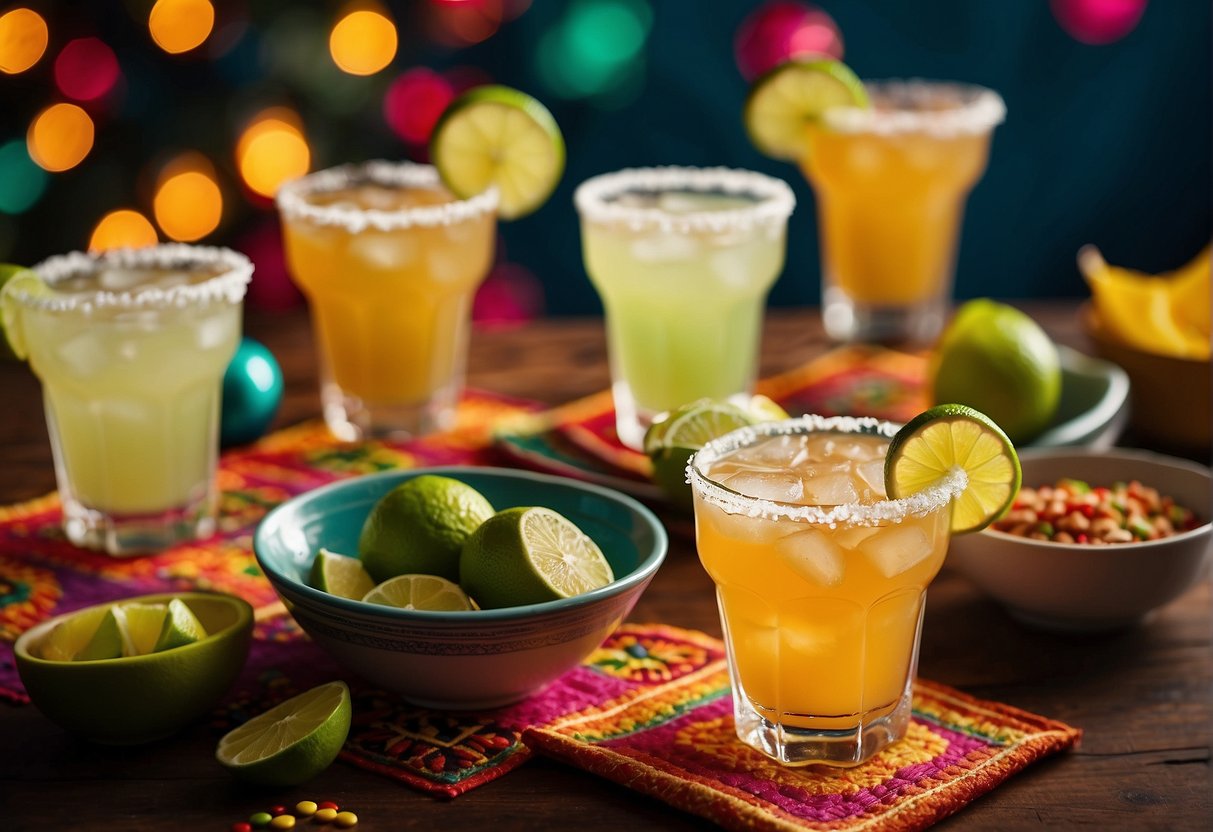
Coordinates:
[13,280]
[110,640]
[495,135]
[340,575]
[292,742]
[181,627]
[71,635]
[530,555]
[420,592]
[782,102]
[951,436]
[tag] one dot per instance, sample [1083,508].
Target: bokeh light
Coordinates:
[60,137]
[466,22]
[1098,22]
[509,297]
[86,69]
[123,228]
[272,150]
[180,25]
[188,203]
[363,41]
[595,48]
[21,181]
[23,39]
[784,29]
[414,102]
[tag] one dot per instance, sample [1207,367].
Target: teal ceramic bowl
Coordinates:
[467,660]
[1094,406]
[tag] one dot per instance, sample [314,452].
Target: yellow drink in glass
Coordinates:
[389,261]
[820,581]
[682,259]
[131,348]
[891,184]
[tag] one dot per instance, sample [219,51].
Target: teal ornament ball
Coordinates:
[252,392]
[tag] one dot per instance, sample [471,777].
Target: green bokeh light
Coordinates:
[21,181]
[590,51]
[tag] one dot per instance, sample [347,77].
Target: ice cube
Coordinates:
[871,473]
[747,529]
[776,451]
[664,248]
[814,556]
[376,198]
[214,331]
[779,486]
[731,266]
[120,280]
[85,356]
[897,548]
[384,249]
[830,490]
[849,537]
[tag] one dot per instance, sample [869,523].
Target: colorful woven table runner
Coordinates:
[650,708]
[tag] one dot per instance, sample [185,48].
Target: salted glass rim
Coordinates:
[977,109]
[774,200]
[293,203]
[228,285]
[879,513]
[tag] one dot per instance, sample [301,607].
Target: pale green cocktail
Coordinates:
[683,259]
[131,348]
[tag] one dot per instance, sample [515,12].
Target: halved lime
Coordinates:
[419,592]
[783,101]
[950,436]
[15,279]
[110,640]
[528,555]
[340,575]
[292,742]
[71,635]
[496,135]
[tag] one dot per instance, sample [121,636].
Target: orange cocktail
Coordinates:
[389,261]
[820,581]
[891,182]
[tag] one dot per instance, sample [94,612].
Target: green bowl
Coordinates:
[469,659]
[139,699]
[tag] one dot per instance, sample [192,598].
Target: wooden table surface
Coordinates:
[1142,697]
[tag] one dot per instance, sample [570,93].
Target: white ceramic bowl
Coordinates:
[475,659]
[1081,588]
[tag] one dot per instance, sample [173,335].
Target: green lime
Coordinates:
[673,437]
[419,526]
[293,741]
[14,279]
[950,436]
[996,359]
[340,575]
[530,555]
[144,623]
[181,627]
[71,635]
[783,101]
[496,135]
[109,640]
[419,592]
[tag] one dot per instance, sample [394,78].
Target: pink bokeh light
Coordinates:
[1098,22]
[414,101]
[86,69]
[783,29]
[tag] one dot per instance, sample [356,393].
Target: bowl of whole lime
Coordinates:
[135,670]
[460,587]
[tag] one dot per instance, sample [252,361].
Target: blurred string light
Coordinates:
[509,297]
[23,39]
[595,49]
[783,29]
[180,25]
[86,69]
[363,41]
[188,204]
[271,150]
[466,22]
[21,181]
[122,228]
[1098,22]
[414,101]
[60,137]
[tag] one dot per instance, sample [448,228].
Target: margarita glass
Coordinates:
[891,182]
[821,582]
[683,259]
[389,261]
[131,348]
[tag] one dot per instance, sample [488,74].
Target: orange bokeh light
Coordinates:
[272,150]
[60,137]
[363,41]
[123,228]
[188,203]
[181,25]
[23,39]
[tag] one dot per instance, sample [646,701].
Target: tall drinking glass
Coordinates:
[820,581]
[389,261]
[682,259]
[891,183]
[131,348]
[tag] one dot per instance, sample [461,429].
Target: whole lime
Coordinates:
[994,358]
[419,528]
